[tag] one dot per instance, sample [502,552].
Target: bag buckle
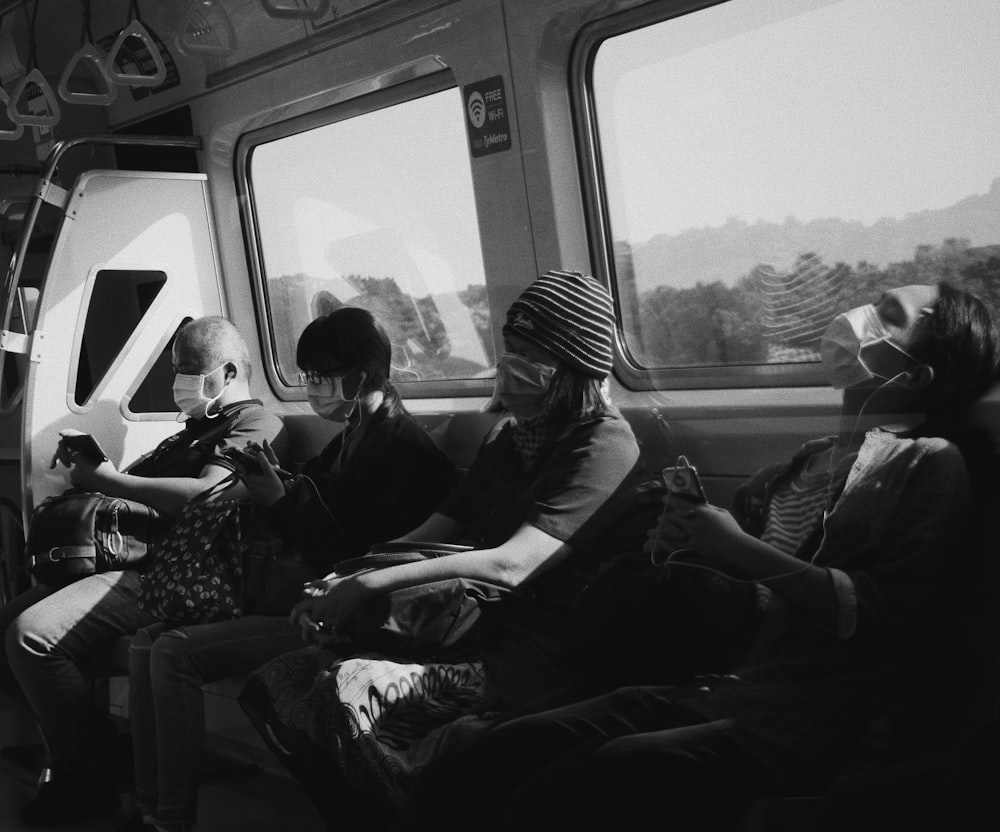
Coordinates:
[115,541]
[54,555]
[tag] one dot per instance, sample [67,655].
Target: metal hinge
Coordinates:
[50,192]
[21,343]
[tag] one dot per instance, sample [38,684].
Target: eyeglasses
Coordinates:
[319,376]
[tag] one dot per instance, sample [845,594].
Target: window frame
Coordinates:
[600,239]
[97,391]
[398,89]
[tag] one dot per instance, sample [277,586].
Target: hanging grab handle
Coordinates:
[192,40]
[135,29]
[49,114]
[88,55]
[18,130]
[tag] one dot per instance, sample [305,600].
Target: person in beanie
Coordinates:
[528,508]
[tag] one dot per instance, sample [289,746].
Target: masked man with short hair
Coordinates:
[52,633]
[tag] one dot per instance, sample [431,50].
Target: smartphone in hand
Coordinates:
[247,461]
[681,480]
[77,442]
[682,483]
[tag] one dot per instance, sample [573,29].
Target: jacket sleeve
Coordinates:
[924,541]
[393,482]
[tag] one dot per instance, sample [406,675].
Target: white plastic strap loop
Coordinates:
[50,112]
[90,56]
[136,30]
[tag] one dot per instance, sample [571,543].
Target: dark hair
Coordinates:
[574,395]
[961,347]
[350,336]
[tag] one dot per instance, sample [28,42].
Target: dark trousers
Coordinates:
[610,762]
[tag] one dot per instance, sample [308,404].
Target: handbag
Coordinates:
[79,533]
[273,578]
[196,575]
[436,621]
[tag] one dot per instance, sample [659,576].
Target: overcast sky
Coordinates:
[761,109]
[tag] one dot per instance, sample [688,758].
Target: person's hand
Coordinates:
[328,606]
[265,488]
[63,455]
[700,528]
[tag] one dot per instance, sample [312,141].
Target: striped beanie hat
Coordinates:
[569,314]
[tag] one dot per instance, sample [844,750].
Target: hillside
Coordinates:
[731,250]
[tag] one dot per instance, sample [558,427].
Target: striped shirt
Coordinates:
[796,508]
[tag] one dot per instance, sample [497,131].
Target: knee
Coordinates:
[171,659]
[25,639]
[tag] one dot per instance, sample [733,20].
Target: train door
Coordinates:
[135,256]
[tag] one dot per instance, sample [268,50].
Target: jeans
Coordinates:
[8,612]
[167,667]
[49,646]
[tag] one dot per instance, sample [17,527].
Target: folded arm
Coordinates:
[527,553]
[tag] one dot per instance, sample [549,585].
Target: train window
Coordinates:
[155,392]
[119,299]
[376,209]
[767,163]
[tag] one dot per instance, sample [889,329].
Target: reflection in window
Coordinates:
[378,211]
[768,163]
[118,302]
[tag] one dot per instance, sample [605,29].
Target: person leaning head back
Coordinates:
[558,341]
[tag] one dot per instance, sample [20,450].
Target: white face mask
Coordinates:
[522,385]
[327,398]
[189,394]
[857,348]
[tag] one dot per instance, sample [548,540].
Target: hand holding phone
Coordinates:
[683,485]
[243,460]
[248,460]
[74,443]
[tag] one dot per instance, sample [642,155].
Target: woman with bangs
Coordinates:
[527,513]
[379,476]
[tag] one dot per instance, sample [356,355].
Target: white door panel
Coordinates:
[116,222]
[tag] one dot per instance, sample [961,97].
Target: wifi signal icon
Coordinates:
[477,110]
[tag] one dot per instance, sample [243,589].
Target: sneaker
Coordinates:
[62,802]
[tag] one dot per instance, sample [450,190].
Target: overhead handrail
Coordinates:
[135,29]
[50,113]
[294,11]
[87,55]
[188,34]
[18,131]
[18,342]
